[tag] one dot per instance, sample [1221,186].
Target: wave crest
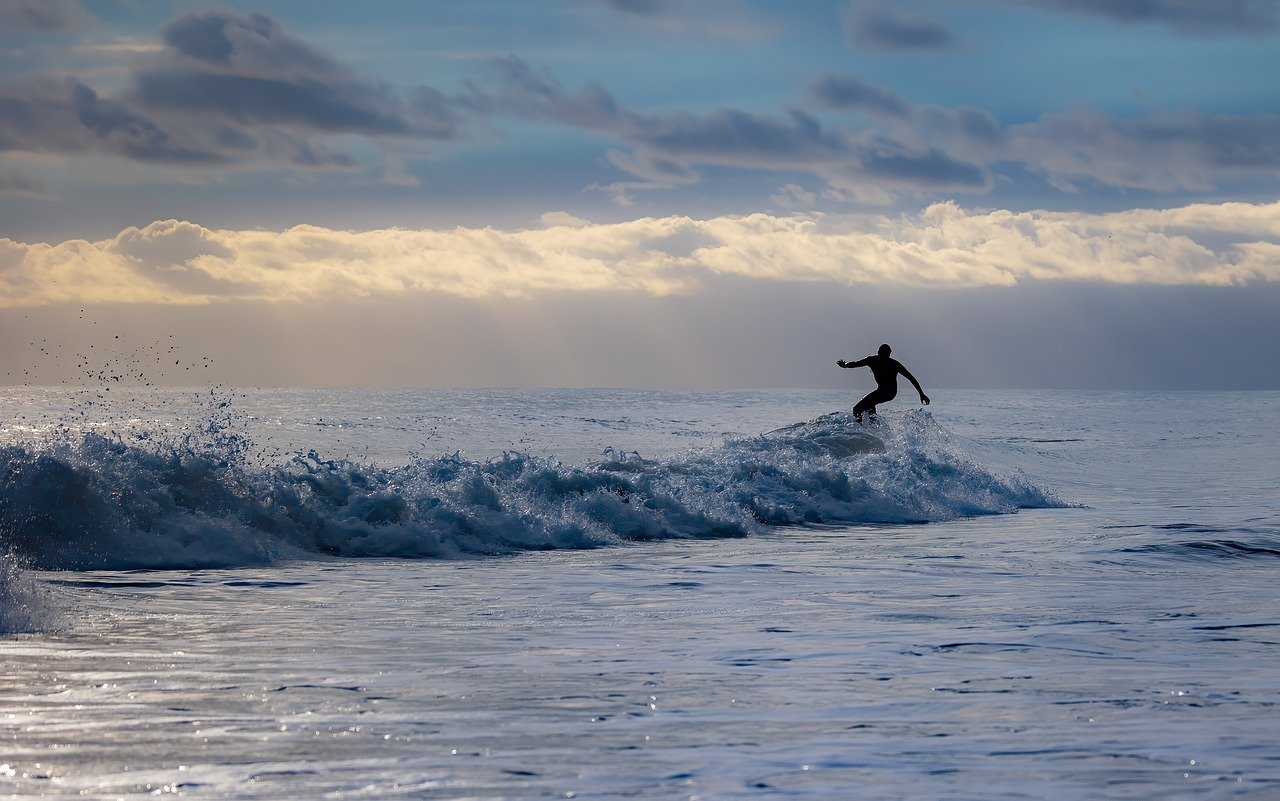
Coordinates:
[98,502]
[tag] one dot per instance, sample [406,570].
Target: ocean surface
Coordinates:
[600,594]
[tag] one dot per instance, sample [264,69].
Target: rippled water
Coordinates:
[1121,647]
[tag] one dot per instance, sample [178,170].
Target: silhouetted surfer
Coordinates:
[886,372]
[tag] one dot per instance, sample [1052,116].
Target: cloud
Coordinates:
[397,174]
[1160,152]
[643,8]
[669,146]
[1187,150]
[1191,17]
[17,183]
[718,19]
[45,114]
[175,262]
[843,92]
[849,93]
[245,69]
[901,148]
[791,196]
[233,90]
[42,15]
[226,89]
[873,26]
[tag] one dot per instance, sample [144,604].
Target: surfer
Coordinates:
[886,372]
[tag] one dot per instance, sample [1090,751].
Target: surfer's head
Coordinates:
[885,350]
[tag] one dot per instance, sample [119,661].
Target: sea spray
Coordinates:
[25,604]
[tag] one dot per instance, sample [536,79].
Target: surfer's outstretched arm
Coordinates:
[858,363]
[907,374]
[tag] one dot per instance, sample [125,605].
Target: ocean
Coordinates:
[606,594]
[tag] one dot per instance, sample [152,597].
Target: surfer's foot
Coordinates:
[858,419]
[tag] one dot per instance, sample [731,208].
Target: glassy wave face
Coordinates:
[1194,542]
[96,502]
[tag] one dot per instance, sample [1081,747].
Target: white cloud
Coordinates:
[175,262]
[791,196]
[398,174]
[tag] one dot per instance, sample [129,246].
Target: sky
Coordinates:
[648,193]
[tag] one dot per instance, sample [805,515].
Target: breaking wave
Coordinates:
[95,502]
[25,605]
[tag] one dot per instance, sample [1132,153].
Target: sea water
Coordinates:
[626,594]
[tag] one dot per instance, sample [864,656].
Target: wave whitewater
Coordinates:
[25,605]
[95,502]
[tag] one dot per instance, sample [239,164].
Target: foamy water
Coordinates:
[626,594]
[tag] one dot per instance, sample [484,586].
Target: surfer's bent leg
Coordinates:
[868,404]
[872,399]
[865,404]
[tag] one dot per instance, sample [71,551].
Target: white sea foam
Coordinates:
[92,501]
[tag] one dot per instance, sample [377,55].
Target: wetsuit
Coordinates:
[885,369]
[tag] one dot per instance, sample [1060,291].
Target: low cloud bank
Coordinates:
[178,262]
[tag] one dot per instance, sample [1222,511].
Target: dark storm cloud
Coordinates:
[875,27]
[1194,17]
[846,92]
[41,15]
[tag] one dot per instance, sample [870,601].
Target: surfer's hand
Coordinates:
[840,363]
[924,399]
